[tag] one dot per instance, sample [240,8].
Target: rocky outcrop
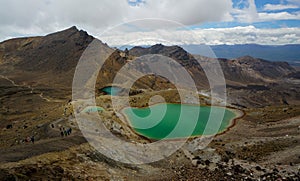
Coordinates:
[252,70]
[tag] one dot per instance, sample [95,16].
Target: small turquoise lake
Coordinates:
[171,121]
[93,109]
[112,90]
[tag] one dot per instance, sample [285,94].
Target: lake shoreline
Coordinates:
[238,115]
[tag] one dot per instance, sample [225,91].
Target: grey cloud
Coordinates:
[18,17]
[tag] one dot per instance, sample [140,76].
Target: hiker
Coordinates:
[10,126]
[32,139]
[61,133]
[64,131]
[68,131]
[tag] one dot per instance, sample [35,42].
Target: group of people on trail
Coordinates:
[65,132]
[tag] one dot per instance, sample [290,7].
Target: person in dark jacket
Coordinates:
[32,139]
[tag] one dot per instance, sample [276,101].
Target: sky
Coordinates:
[142,22]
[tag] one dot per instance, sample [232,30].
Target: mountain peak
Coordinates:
[246,58]
[73,28]
[171,51]
[58,52]
[65,32]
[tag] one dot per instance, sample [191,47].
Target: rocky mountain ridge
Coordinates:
[51,61]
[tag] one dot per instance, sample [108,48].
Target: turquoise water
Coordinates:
[93,109]
[151,122]
[112,90]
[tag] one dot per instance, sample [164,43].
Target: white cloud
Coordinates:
[276,7]
[41,17]
[36,17]
[212,36]
[278,16]
[188,13]
[249,13]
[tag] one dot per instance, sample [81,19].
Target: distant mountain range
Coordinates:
[282,53]
[242,70]
[250,81]
[286,53]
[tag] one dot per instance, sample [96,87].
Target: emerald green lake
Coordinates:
[178,121]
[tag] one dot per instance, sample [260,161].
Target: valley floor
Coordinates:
[263,144]
[252,149]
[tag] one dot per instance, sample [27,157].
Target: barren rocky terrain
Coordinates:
[36,77]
